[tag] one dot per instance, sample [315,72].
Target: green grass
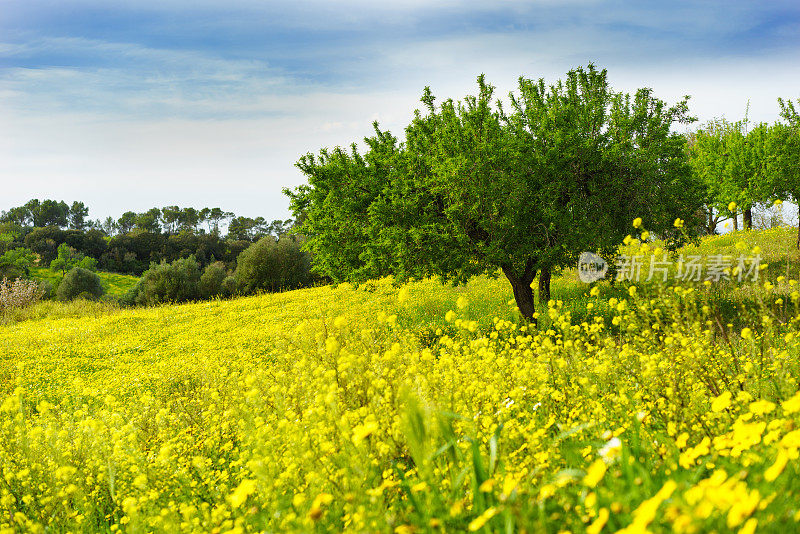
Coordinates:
[115,284]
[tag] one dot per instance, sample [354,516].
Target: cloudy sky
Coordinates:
[134,104]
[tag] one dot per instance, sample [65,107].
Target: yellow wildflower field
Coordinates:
[414,409]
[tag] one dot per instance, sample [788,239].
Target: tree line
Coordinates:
[743,166]
[479,186]
[132,242]
[180,253]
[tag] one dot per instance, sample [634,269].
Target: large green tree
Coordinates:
[787,149]
[475,189]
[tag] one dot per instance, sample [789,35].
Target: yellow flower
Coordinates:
[791,405]
[761,407]
[595,473]
[402,295]
[777,468]
[478,522]
[361,432]
[246,488]
[321,500]
[599,523]
[509,483]
[722,402]
[486,486]
[749,527]
[678,223]
[732,206]
[747,333]
[637,222]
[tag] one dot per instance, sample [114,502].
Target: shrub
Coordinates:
[178,281]
[273,265]
[211,280]
[19,293]
[15,263]
[80,282]
[229,287]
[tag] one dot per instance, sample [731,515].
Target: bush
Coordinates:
[273,265]
[229,287]
[178,281]
[80,282]
[15,263]
[211,280]
[19,293]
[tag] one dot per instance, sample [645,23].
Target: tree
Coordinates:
[149,221]
[272,265]
[214,217]
[170,215]
[80,282]
[68,258]
[126,222]
[109,226]
[787,163]
[168,282]
[474,189]
[50,213]
[16,263]
[242,228]
[20,215]
[188,218]
[77,215]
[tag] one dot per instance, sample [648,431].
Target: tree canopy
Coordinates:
[475,189]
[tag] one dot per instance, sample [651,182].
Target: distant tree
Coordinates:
[242,228]
[77,215]
[272,265]
[126,222]
[171,217]
[149,221]
[69,258]
[211,280]
[80,282]
[50,213]
[169,282]
[203,215]
[20,215]
[16,263]
[109,226]
[474,189]
[215,216]
[278,227]
[787,164]
[188,218]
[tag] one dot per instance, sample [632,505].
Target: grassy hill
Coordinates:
[115,284]
[423,408]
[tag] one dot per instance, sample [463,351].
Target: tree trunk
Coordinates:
[544,286]
[712,224]
[521,285]
[798,235]
[735,221]
[747,220]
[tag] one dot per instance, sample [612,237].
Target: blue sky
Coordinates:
[129,105]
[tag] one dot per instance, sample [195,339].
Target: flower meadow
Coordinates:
[418,408]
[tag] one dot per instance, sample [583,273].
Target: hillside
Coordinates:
[410,409]
[115,284]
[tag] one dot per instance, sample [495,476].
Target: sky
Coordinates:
[126,105]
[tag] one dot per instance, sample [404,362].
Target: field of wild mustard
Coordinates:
[414,409]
